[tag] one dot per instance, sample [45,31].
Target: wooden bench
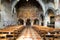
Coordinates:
[12,31]
[43,32]
[3,36]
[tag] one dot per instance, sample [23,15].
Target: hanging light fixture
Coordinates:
[27,0]
[18,0]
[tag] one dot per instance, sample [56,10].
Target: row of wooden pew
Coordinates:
[11,33]
[47,32]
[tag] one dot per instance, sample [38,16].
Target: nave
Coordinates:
[29,34]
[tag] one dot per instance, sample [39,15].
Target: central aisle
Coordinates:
[29,34]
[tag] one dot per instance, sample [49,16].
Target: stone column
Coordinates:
[46,20]
[14,10]
[57,21]
[39,22]
[32,23]
[56,4]
[24,23]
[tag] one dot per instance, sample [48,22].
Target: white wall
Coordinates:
[57,24]
[6,17]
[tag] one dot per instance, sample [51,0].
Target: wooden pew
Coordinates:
[42,30]
[3,37]
[12,31]
[45,30]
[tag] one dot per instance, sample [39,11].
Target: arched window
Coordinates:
[36,22]
[21,21]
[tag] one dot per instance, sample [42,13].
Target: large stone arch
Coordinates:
[42,5]
[49,15]
[39,1]
[51,8]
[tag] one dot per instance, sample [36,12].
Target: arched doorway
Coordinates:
[28,22]
[20,21]
[51,18]
[36,22]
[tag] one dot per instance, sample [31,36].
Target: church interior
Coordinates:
[29,19]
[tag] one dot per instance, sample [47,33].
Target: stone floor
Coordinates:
[29,34]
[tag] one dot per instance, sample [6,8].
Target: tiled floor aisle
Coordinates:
[29,34]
